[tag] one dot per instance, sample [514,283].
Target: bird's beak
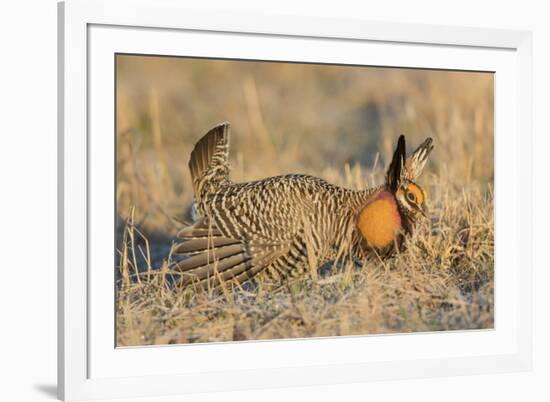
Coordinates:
[423,211]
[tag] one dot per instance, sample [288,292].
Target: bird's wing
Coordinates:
[213,258]
[246,229]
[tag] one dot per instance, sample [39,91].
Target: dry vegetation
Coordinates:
[326,121]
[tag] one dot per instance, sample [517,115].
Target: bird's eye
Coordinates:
[411,197]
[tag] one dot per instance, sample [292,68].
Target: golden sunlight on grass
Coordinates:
[334,122]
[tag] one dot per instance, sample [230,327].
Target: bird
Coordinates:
[283,224]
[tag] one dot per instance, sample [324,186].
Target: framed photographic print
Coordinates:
[287,200]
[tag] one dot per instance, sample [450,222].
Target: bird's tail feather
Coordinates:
[208,164]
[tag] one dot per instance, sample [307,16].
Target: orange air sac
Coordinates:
[380,222]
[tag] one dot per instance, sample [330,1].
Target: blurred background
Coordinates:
[336,122]
[340,123]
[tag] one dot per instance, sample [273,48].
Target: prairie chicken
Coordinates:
[281,224]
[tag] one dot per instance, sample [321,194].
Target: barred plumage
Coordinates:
[280,223]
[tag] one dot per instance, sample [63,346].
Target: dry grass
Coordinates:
[288,121]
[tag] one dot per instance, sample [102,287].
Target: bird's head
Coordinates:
[401,179]
[399,205]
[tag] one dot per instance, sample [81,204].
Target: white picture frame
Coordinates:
[90,32]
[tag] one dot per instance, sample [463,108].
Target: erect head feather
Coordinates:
[396,170]
[417,161]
